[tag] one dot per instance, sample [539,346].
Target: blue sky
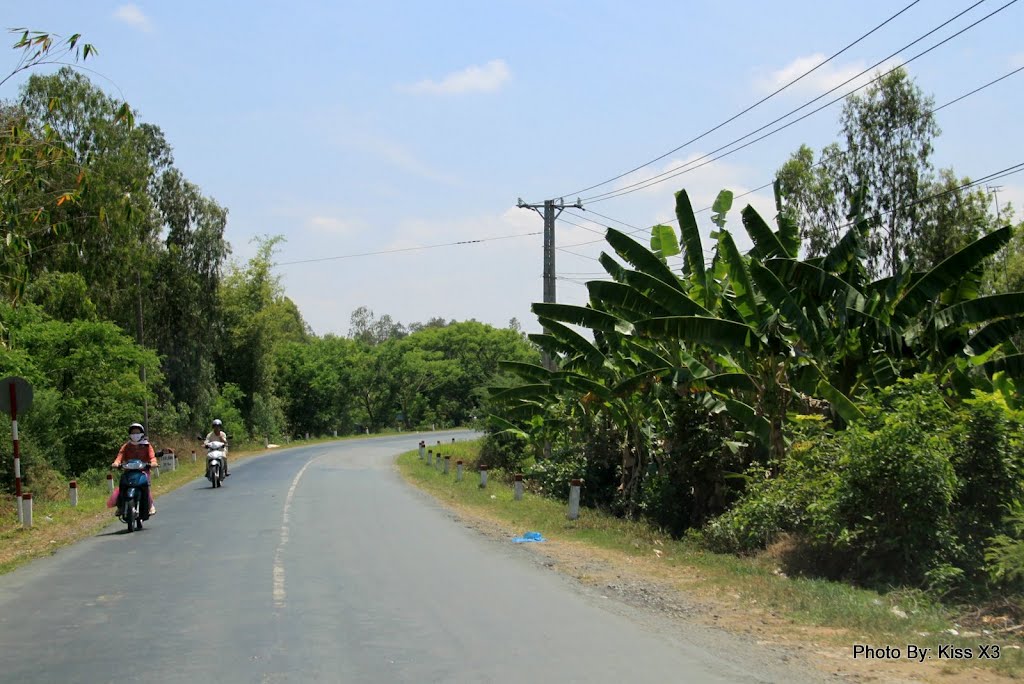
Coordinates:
[358,127]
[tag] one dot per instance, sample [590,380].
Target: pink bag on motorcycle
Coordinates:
[112,501]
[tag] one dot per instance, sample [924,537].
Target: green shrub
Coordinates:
[988,462]
[893,498]
[1005,554]
[754,524]
[800,500]
[504,451]
[694,477]
[875,502]
[226,406]
[86,375]
[552,476]
[267,418]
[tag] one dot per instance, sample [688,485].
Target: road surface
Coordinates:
[319,564]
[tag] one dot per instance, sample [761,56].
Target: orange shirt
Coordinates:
[131,451]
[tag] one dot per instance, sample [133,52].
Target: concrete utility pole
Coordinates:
[552,210]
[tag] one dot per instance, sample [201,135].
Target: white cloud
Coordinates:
[332,225]
[399,156]
[822,79]
[474,79]
[1017,60]
[390,151]
[343,129]
[133,16]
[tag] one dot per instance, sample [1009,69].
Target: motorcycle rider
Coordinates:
[218,435]
[137,448]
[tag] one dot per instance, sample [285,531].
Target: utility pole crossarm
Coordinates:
[552,210]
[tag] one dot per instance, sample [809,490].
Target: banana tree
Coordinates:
[599,379]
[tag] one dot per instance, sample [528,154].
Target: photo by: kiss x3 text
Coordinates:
[923,653]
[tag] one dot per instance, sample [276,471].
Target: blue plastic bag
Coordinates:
[528,537]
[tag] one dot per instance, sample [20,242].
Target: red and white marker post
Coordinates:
[17,450]
[15,393]
[18,394]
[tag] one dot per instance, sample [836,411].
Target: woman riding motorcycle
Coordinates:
[137,448]
[217,434]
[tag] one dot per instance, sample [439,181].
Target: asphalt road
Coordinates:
[318,564]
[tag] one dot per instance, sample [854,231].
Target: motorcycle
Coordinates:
[215,463]
[134,494]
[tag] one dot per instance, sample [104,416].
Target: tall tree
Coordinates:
[38,173]
[181,297]
[886,146]
[257,318]
[111,228]
[950,219]
[365,327]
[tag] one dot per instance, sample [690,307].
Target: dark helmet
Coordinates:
[137,425]
[217,423]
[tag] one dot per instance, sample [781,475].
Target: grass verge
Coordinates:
[838,614]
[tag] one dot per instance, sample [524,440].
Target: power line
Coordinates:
[577,281]
[571,223]
[748,109]
[608,218]
[404,249]
[823,159]
[997,175]
[565,249]
[978,89]
[689,166]
[639,185]
[576,254]
[988,178]
[633,229]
